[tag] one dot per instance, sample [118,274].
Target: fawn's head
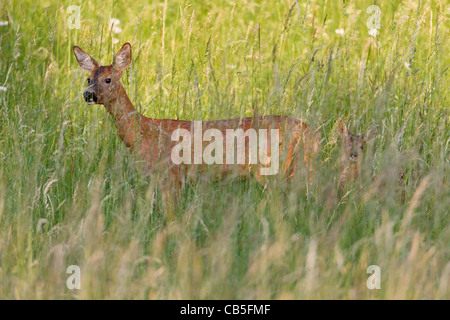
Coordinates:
[353,144]
[103,81]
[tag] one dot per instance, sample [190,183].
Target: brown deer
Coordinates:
[353,146]
[152,139]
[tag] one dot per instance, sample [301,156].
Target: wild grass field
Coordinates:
[71,193]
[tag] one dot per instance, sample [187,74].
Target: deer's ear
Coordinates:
[123,58]
[342,128]
[86,62]
[372,133]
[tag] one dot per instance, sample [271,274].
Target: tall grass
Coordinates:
[71,194]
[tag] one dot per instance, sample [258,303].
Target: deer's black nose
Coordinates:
[354,154]
[90,96]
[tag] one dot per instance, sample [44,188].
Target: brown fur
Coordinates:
[151,138]
[353,146]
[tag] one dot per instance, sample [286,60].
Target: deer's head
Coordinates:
[103,81]
[353,147]
[353,144]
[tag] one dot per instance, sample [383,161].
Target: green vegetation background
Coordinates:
[70,193]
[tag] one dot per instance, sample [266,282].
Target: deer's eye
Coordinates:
[89,80]
[108,80]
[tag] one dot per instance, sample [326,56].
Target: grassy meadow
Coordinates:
[71,193]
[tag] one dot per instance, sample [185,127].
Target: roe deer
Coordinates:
[151,139]
[352,152]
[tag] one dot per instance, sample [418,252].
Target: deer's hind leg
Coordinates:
[300,155]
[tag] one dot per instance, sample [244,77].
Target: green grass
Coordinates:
[62,161]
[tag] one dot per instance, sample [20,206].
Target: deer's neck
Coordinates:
[120,107]
[126,118]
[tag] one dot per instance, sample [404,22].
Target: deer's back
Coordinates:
[157,134]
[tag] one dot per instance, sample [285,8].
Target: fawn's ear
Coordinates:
[86,62]
[342,128]
[123,58]
[372,133]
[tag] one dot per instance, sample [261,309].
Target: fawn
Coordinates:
[352,151]
[151,139]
